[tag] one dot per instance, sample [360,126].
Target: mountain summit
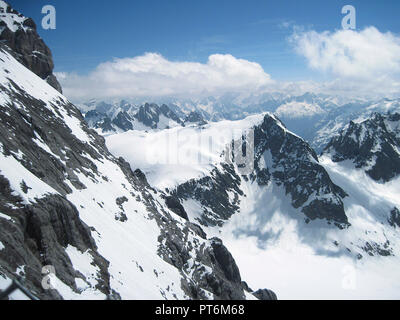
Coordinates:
[19,33]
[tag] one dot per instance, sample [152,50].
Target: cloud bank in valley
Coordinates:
[356,63]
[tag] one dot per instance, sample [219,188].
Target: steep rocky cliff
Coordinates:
[20,34]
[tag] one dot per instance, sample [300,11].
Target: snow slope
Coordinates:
[174,156]
[303,263]
[126,245]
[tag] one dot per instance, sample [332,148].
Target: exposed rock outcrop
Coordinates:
[20,34]
[372,145]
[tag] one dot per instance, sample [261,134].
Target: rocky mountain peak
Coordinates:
[282,159]
[123,116]
[372,145]
[285,159]
[195,117]
[19,33]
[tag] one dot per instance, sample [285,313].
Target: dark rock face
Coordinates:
[125,117]
[195,117]
[261,294]
[394,219]
[175,206]
[166,111]
[149,115]
[105,125]
[214,269]
[265,294]
[372,145]
[225,261]
[280,157]
[28,47]
[123,121]
[292,163]
[98,120]
[213,194]
[36,235]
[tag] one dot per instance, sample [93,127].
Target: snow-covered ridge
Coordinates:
[316,118]
[173,156]
[262,219]
[372,144]
[26,80]
[108,118]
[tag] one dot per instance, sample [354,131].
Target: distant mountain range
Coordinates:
[316,118]
[186,199]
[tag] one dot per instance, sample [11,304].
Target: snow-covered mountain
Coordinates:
[316,118]
[340,208]
[286,197]
[123,116]
[372,145]
[70,207]
[212,191]
[227,107]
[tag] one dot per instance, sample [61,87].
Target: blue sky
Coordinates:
[90,32]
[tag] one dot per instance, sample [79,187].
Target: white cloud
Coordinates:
[363,63]
[154,76]
[296,109]
[367,54]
